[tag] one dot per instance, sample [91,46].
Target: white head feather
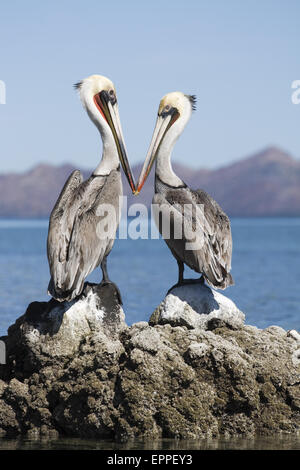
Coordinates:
[88,88]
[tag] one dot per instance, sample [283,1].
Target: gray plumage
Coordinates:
[212,254]
[75,245]
[199,231]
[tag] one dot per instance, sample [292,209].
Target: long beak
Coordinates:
[163,123]
[111,112]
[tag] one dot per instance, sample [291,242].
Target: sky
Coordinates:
[239,58]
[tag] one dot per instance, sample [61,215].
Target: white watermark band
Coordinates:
[2,92]
[184,222]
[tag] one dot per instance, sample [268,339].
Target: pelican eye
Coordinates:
[167,111]
[112,96]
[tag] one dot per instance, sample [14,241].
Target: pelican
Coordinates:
[76,242]
[211,252]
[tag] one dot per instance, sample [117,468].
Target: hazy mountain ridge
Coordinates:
[265,184]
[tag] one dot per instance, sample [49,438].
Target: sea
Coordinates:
[265,267]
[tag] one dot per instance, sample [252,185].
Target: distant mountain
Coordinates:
[265,184]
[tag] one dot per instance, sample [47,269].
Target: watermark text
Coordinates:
[183,222]
[2,92]
[295,97]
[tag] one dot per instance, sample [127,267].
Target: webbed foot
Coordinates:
[185,282]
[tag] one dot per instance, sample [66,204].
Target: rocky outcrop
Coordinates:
[198,307]
[194,370]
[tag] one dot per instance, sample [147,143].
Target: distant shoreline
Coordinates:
[266,184]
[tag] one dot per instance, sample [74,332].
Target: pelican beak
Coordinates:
[110,111]
[163,124]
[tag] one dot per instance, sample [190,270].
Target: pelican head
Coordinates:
[99,98]
[174,111]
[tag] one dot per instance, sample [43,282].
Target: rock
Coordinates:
[198,307]
[294,334]
[196,351]
[195,371]
[49,333]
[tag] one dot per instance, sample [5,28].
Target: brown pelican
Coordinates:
[211,254]
[77,243]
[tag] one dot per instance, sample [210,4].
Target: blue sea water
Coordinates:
[265,266]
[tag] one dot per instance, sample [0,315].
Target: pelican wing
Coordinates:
[61,221]
[206,243]
[219,240]
[90,236]
[76,198]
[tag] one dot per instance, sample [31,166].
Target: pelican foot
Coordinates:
[106,283]
[185,282]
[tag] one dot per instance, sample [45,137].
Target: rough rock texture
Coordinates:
[195,370]
[199,307]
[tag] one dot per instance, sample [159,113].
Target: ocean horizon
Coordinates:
[265,267]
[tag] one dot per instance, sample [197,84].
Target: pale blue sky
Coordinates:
[238,57]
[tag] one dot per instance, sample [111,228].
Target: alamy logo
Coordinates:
[296,94]
[2,92]
[2,353]
[183,222]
